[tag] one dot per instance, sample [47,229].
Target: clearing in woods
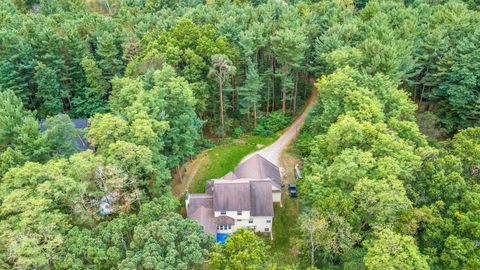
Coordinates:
[216,162]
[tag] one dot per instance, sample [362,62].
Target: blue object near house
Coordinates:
[292,189]
[222,238]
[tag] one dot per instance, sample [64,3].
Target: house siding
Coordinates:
[258,224]
[254,190]
[234,215]
[276,196]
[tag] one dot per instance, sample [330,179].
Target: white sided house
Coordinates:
[241,199]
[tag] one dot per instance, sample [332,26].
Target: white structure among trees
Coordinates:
[241,199]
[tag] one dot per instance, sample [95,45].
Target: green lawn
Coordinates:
[284,228]
[261,140]
[224,158]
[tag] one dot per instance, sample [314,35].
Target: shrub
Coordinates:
[260,130]
[238,132]
[271,123]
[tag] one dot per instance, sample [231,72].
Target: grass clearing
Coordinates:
[220,161]
[264,141]
[284,228]
[285,220]
[224,158]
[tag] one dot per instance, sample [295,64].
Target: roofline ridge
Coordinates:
[259,164]
[264,158]
[201,195]
[244,180]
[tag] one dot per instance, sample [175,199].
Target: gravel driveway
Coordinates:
[273,151]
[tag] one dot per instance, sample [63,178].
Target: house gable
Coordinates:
[241,199]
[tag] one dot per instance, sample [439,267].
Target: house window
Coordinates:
[239,213]
[224,227]
[223,212]
[269,221]
[239,220]
[267,229]
[250,220]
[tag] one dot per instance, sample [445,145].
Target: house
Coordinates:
[241,199]
[258,167]
[81,124]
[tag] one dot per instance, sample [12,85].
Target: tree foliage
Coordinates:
[368,162]
[243,250]
[394,251]
[156,77]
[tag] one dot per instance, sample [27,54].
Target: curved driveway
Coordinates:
[273,151]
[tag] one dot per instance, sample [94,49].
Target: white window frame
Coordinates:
[224,227]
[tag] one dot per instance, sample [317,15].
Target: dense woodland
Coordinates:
[391,150]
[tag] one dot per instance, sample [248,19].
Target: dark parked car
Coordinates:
[292,190]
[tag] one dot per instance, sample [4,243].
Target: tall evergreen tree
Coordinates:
[222,68]
[49,91]
[289,46]
[250,93]
[110,56]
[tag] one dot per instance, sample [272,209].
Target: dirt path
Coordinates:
[181,181]
[274,151]
[188,172]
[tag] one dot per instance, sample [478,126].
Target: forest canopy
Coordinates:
[391,149]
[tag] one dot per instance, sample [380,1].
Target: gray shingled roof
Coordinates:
[231,195]
[254,195]
[258,167]
[82,124]
[224,220]
[261,198]
[197,200]
[205,217]
[209,187]
[200,209]
[247,188]
[230,176]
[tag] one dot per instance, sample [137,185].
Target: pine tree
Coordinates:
[460,91]
[49,91]
[222,68]
[250,93]
[289,46]
[110,56]
[97,84]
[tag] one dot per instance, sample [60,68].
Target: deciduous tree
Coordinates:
[394,251]
[243,250]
